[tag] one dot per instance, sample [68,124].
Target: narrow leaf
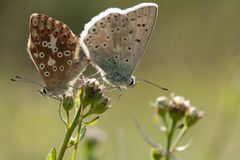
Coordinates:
[52,155]
[82,132]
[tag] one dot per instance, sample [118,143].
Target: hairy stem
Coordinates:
[78,135]
[169,139]
[69,134]
[179,138]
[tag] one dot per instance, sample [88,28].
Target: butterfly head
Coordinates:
[44,91]
[132,82]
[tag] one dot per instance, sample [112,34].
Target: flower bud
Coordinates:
[100,105]
[178,107]
[92,96]
[161,105]
[193,115]
[156,155]
[68,103]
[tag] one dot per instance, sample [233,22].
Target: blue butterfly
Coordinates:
[115,41]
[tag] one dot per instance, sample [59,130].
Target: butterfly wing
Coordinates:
[115,40]
[142,18]
[54,50]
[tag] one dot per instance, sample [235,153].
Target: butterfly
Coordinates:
[115,41]
[55,51]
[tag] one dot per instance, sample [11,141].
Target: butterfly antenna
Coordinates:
[149,82]
[25,80]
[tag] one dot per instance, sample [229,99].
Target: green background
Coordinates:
[194,51]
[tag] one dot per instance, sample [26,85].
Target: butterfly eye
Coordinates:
[126,60]
[44,91]
[132,82]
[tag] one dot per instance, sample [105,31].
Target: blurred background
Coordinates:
[194,51]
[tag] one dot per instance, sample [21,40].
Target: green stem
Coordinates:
[165,122]
[78,135]
[169,139]
[179,138]
[69,134]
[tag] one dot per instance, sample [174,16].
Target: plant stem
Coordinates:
[179,138]
[69,134]
[78,135]
[169,139]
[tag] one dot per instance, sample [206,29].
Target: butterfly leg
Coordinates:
[94,74]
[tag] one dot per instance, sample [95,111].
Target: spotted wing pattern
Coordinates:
[116,39]
[54,49]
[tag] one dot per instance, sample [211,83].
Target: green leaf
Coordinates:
[93,121]
[82,132]
[52,155]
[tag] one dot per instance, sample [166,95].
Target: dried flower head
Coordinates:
[193,115]
[161,105]
[178,106]
[92,95]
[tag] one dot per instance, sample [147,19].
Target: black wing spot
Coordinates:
[104,44]
[137,40]
[97,46]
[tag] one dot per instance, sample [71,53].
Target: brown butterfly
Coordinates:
[55,51]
